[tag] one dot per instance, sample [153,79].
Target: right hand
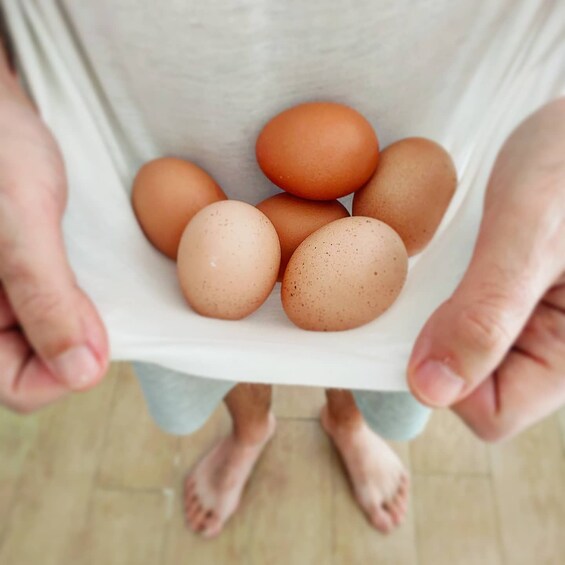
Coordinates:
[52,340]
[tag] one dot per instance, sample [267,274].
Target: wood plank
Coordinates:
[125,528]
[285,516]
[448,446]
[355,540]
[456,521]
[17,435]
[289,504]
[137,453]
[561,418]
[57,479]
[298,401]
[529,481]
[180,543]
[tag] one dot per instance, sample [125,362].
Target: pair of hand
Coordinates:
[495,351]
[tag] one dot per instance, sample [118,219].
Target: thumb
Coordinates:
[58,320]
[514,262]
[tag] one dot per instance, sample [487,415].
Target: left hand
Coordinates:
[495,350]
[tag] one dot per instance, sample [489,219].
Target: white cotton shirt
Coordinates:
[198,79]
[123,81]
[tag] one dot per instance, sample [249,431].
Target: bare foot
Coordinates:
[213,488]
[378,477]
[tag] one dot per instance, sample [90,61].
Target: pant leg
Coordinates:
[396,416]
[180,404]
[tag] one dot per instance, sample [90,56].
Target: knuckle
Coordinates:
[481,327]
[549,323]
[40,306]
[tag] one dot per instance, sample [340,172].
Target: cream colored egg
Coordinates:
[228,260]
[344,275]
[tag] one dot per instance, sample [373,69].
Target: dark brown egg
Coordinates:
[296,218]
[344,275]
[318,150]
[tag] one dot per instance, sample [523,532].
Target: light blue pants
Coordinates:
[180,404]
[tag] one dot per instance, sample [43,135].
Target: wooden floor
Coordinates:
[92,481]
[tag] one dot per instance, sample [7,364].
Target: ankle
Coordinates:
[343,421]
[254,432]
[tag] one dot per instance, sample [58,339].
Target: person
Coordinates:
[494,351]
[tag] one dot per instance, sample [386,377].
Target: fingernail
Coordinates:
[436,383]
[77,367]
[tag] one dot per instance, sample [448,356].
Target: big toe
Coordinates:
[381,519]
[212,526]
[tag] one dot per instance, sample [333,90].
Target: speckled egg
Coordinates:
[410,190]
[228,260]
[344,275]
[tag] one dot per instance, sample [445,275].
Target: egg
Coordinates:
[318,150]
[167,193]
[296,218]
[344,275]
[410,191]
[228,260]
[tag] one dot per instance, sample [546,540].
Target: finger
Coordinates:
[59,321]
[530,383]
[520,393]
[25,383]
[469,335]
[517,256]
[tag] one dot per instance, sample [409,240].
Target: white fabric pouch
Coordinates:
[136,289]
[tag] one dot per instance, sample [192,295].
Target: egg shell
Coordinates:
[318,150]
[410,191]
[344,275]
[228,260]
[167,193]
[296,218]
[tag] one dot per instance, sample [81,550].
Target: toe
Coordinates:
[196,522]
[403,489]
[202,520]
[381,519]
[189,485]
[403,483]
[400,503]
[213,527]
[394,511]
[191,505]
[195,515]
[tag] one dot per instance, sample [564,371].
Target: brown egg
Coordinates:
[228,260]
[166,194]
[296,218]
[410,191]
[318,150]
[344,275]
